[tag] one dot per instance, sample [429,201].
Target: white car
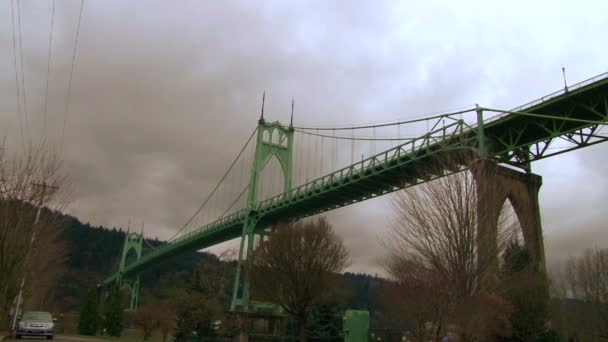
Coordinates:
[36,323]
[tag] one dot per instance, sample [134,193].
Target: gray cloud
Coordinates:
[164,95]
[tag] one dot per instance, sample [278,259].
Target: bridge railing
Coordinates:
[458,127]
[396,152]
[434,136]
[561,92]
[189,236]
[547,97]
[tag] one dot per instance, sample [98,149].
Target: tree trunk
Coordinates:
[302,328]
[438,331]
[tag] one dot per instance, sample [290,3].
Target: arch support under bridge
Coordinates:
[495,185]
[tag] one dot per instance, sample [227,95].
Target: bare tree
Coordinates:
[436,229]
[296,267]
[146,317]
[415,298]
[585,279]
[214,278]
[32,195]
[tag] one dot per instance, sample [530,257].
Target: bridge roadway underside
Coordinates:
[515,139]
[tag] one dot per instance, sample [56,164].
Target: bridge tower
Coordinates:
[133,242]
[274,140]
[497,184]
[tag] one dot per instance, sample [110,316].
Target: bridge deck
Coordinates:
[516,139]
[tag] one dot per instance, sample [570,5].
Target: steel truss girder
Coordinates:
[520,153]
[574,118]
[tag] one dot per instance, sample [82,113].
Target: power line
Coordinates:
[22,73]
[16,72]
[48,67]
[67,100]
[216,187]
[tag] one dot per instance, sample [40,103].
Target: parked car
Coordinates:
[36,323]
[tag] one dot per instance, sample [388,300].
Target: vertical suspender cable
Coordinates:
[200,208]
[352,147]
[297,163]
[310,170]
[335,150]
[373,141]
[317,154]
[322,156]
[399,134]
[307,148]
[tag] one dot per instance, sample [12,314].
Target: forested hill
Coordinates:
[93,253]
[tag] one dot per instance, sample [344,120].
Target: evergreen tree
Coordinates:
[325,323]
[194,319]
[182,327]
[113,322]
[87,323]
[516,259]
[527,291]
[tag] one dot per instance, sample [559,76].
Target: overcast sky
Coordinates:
[165,92]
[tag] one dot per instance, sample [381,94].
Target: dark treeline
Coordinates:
[94,253]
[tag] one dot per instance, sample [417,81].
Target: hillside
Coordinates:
[94,253]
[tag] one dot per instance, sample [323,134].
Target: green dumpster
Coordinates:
[356,325]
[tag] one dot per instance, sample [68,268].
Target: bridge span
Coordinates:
[513,138]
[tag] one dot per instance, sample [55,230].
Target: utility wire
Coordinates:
[69,92]
[388,124]
[16,72]
[48,67]
[216,187]
[22,73]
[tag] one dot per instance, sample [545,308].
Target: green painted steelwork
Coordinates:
[273,141]
[517,137]
[133,242]
[356,326]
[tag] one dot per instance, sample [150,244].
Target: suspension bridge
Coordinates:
[285,173]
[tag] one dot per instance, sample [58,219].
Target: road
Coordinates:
[59,338]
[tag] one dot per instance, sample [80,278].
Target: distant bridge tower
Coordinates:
[273,141]
[133,244]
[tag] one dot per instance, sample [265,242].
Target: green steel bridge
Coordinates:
[563,121]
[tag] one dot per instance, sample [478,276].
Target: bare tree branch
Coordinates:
[296,267]
[33,192]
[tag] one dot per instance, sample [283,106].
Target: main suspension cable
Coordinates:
[216,187]
[149,245]
[337,137]
[388,124]
[235,201]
